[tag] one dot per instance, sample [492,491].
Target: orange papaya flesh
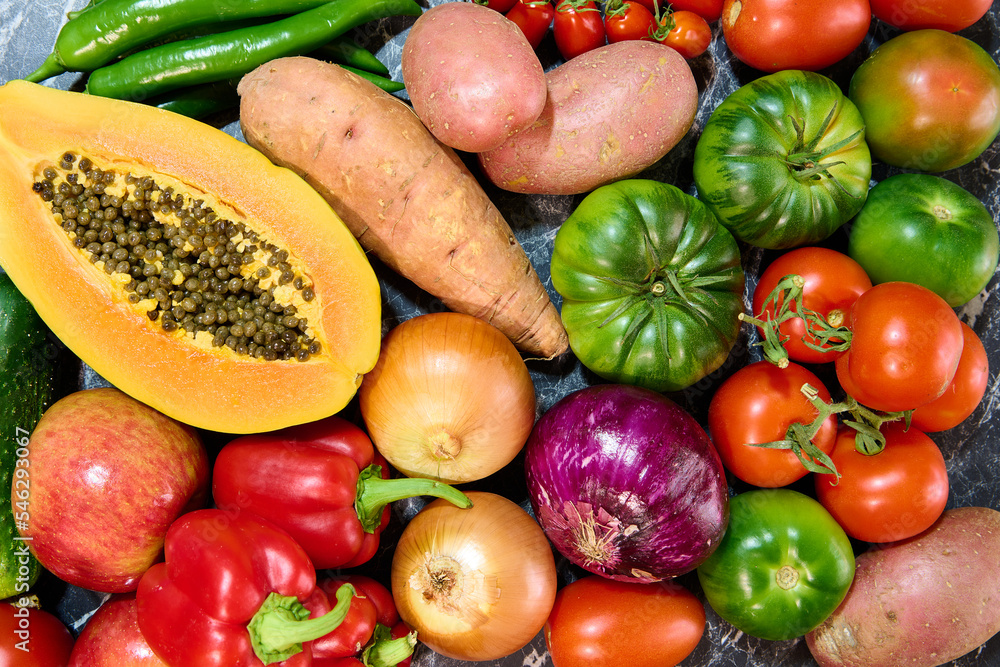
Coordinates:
[180,264]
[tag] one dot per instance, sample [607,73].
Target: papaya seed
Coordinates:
[190,269]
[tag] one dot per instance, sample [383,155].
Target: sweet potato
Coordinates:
[919,602]
[610,113]
[471,76]
[407,198]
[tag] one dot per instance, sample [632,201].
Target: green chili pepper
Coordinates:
[385,83]
[73,14]
[232,54]
[201,101]
[106,29]
[345,51]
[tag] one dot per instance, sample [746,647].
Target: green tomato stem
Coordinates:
[867,423]
[785,302]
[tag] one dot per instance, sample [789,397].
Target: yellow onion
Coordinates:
[476,584]
[450,398]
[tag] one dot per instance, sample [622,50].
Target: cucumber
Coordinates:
[27,379]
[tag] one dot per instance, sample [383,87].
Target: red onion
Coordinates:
[626,484]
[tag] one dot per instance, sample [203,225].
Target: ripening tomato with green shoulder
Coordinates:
[601,622]
[888,496]
[762,403]
[831,282]
[928,230]
[652,285]
[930,100]
[783,565]
[782,161]
[774,35]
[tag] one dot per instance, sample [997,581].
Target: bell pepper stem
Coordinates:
[282,624]
[384,651]
[374,493]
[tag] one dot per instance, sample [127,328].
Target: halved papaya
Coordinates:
[180,264]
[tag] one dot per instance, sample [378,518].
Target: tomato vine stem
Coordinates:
[785,302]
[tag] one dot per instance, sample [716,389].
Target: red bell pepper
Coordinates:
[230,593]
[323,483]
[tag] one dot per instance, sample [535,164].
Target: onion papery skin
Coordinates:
[450,398]
[506,577]
[626,484]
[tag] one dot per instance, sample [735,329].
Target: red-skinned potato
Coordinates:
[921,602]
[472,76]
[610,113]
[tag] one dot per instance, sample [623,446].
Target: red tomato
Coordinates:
[888,496]
[964,393]
[685,32]
[502,6]
[599,622]
[949,15]
[772,35]
[628,21]
[578,27]
[906,342]
[533,17]
[833,282]
[710,10]
[32,638]
[757,404]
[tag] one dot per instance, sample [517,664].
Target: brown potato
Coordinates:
[920,602]
[471,76]
[610,113]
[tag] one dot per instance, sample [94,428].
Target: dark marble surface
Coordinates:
[972,450]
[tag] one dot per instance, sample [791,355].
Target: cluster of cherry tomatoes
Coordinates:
[904,352]
[579,26]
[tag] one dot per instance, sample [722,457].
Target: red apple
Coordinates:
[112,638]
[106,476]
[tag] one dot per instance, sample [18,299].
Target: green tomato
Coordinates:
[652,285]
[930,100]
[782,161]
[782,566]
[927,230]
